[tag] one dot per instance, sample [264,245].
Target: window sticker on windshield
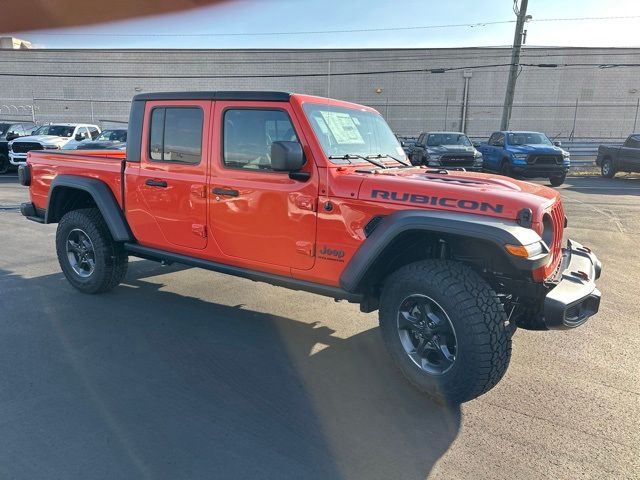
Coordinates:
[342,127]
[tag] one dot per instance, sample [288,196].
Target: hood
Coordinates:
[549,149]
[442,149]
[463,192]
[44,139]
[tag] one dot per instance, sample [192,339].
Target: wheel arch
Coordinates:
[407,236]
[70,192]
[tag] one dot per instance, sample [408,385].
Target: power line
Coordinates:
[322,32]
[426,70]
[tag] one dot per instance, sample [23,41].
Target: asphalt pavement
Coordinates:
[181,373]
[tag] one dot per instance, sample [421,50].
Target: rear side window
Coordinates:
[176,135]
[497,140]
[249,133]
[17,129]
[633,142]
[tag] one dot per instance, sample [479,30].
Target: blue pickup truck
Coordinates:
[525,154]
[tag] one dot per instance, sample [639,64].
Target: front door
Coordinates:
[255,213]
[630,154]
[171,211]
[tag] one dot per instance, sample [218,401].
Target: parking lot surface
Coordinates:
[184,373]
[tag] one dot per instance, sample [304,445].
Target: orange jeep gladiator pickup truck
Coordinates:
[316,194]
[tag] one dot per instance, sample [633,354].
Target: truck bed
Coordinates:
[105,165]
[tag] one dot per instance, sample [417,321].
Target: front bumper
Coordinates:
[537,171]
[467,168]
[17,159]
[575,297]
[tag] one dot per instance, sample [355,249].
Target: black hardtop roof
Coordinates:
[266,96]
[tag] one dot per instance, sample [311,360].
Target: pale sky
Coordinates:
[259,16]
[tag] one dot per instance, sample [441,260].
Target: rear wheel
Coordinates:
[446,329]
[557,180]
[88,255]
[607,168]
[4,164]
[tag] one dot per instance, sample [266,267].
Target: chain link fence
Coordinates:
[577,120]
[580,123]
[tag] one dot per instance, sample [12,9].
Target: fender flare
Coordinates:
[495,231]
[102,196]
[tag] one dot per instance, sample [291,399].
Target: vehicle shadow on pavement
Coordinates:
[145,383]
[620,185]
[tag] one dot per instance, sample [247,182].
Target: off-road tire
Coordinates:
[557,180]
[482,332]
[110,258]
[607,169]
[4,164]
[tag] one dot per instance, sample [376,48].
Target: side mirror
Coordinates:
[12,136]
[557,143]
[79,137]
[287,156]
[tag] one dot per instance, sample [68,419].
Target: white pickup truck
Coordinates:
[50,137]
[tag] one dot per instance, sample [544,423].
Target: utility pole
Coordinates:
[515,64]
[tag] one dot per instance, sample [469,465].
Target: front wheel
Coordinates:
[607,168]
[505,169]
[88,255]
[557,180]
[446,329]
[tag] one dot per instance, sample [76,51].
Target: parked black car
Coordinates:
[107,140]
[625,158]
[446,150]
[10,130]
[407,143]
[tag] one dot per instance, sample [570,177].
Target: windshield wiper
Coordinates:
[350,156]
[386,155]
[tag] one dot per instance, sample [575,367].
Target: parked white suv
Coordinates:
[50,137]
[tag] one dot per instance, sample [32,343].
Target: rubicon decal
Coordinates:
[448,202]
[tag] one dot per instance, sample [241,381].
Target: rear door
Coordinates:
[255,213]
[171,204]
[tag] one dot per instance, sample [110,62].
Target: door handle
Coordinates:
[225,191]
[156,183]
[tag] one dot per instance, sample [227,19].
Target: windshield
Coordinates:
[4,127]
[437,139]
[348,131]
[57,130]
[113,136]
[528,138]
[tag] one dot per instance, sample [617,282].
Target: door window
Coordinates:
[249,133]
[176,135]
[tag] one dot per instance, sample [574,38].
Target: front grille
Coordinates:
[557,217]
[544,159]
[457,161]
[24,147]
